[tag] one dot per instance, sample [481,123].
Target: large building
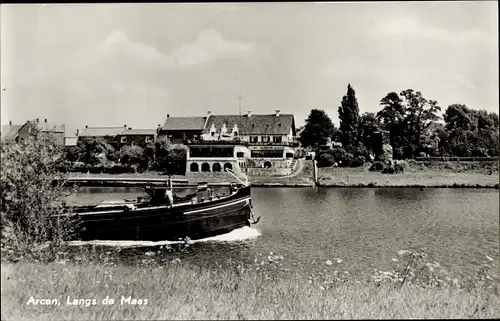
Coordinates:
[243,141]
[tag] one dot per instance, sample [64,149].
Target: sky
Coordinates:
[132,64]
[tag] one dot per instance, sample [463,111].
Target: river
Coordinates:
[359,229]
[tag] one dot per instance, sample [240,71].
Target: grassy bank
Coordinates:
[417,174]
[182,291]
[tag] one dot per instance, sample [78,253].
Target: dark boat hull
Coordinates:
[160,222]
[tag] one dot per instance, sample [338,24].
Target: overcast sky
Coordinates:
[116,64]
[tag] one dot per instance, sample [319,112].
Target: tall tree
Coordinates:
[407,117]
[318,128]
[349,119]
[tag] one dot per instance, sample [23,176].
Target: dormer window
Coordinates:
[235,133]
[212,130]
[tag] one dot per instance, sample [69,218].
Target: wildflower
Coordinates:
[322,288]
[394,260]
[489,258]
[339,260]
[150,253]
[328,262]
[176,261]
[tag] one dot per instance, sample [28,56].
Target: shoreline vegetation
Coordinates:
[157,284]
[417,175]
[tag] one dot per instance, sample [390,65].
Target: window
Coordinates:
[240,154]
[148,139]
[123,139]
[194,167]
[212,134]
[254,139]
[277,139]
[235,133]
[266,139]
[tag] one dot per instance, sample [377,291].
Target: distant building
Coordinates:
[179,130]
[110,134]
[70,141]
[140,137]
[9,133]
[23,133]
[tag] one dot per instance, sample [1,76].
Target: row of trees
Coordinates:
[97,153]
[409,123]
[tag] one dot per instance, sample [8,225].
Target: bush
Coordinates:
[377,166]
[325,160]
[389,169]
[358,161]
[33,198]
[400,166]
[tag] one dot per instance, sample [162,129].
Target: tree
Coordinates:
[407,117]
[471,131]
[317,130]
[33,199]
[349,119]
[370,131]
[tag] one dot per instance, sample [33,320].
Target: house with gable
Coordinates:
[244,141]
[180,130]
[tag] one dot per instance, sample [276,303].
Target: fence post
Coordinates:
[315,171]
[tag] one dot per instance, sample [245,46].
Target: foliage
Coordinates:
[377,166]
[325,160]
[371,134]
[33,199]
[342,157]
[317,130]
[407,118]
[358,161]
[349,118]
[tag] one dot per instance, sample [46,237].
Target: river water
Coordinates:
[358,229]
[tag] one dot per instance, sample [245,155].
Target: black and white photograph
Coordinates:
[252,160]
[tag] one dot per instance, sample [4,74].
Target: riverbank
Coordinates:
[416,174]
[176,290]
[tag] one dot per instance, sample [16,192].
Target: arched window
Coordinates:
[194,167]
[216,167]
[228,165]
[267,164]
[205,167]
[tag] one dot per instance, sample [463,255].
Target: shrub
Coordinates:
[32,200]
[377,166]
[325,160]
[358,161]
[400,166]
[389,169]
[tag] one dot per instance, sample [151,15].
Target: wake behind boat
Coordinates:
[165,216]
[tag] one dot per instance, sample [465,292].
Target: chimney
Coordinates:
[86,126]
[168,115]
[129,128]
[37,120]
[277,112]
[10,122]
[209,112]
[45,120]
[77,132]
[159,125]
[125,126]
[249,113]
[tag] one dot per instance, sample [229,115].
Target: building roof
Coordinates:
[9,132]
[50,127]
[139,132]
[70,141]
[101,131]
[254,125]
[184,123]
